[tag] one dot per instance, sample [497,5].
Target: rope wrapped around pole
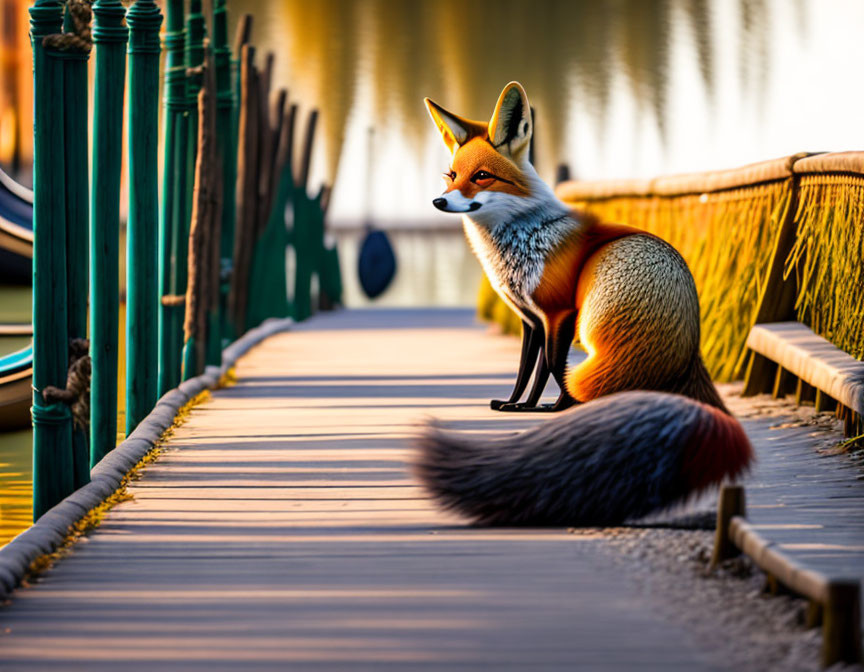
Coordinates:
[76,394]
[80,39]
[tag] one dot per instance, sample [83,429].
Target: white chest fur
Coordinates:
[514,253]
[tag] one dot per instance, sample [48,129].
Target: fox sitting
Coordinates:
[659,434]
[628,294]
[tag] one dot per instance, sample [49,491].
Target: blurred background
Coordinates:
[621,89]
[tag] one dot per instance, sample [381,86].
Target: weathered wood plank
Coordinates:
[813,359]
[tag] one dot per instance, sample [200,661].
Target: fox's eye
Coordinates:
[451,175]
[482,176]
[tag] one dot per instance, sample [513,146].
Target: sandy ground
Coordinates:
[732,602]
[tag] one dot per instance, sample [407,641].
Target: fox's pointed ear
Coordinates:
[454,129]
[511,127]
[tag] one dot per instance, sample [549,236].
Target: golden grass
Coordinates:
[97,514]
[827,257]
[726,238]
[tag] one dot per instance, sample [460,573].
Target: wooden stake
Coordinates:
[841,629]
[731,502]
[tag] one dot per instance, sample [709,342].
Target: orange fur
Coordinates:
[565,277]
[478,154]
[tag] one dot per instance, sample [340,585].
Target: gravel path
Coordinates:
[731,604]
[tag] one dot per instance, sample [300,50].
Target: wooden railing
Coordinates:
[188,250]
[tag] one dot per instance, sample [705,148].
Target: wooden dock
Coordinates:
[281,530]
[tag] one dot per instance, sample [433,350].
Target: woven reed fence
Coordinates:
[782,239]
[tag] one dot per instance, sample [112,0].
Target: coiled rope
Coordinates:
[76,394]
[80,38]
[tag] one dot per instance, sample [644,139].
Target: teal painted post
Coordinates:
[109,36]
[172,239]
[144,20]
[195,34]
[227,149]
[75,150]
[52,422]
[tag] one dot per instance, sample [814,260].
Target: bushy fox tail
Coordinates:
[612,459]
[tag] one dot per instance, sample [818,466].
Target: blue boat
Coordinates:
[16,232]
[16,260]
[16,381]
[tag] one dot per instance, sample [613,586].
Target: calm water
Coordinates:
[16,476]
[16,472]
[622,89]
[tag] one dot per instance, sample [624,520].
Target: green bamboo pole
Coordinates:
[52,422]
[195,34]
[144,20]
[75,149]
[109,36]
[172,240]
[227,148]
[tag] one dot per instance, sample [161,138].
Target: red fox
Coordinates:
[628,294]
[633,301]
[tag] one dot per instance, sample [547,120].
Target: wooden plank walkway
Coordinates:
[810,504]
[281,530]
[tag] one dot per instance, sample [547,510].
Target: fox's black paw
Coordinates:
[561,404]
[515,407]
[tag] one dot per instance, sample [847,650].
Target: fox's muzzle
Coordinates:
[454,201]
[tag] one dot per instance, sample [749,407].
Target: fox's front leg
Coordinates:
[553,359]
[562,329]
[532,340]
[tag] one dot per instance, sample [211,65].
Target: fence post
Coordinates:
[172,229]
[144,20]
[109,36]
[731,502]
[227,150]
[52,434]
[195,33]
[75,150]
[247,188]
[305,217]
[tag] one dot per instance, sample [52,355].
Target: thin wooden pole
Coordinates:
[52,422]
[267,277]
[109,36]
[172,236]
[204,231]
[305,224]
[247,188]
[75,149]
[241,39]
[144,20]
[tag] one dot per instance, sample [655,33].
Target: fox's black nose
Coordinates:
[440,203]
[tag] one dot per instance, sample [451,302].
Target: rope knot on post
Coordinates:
[76,394]
[79,38]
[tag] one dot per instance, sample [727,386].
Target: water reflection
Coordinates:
[380,57]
